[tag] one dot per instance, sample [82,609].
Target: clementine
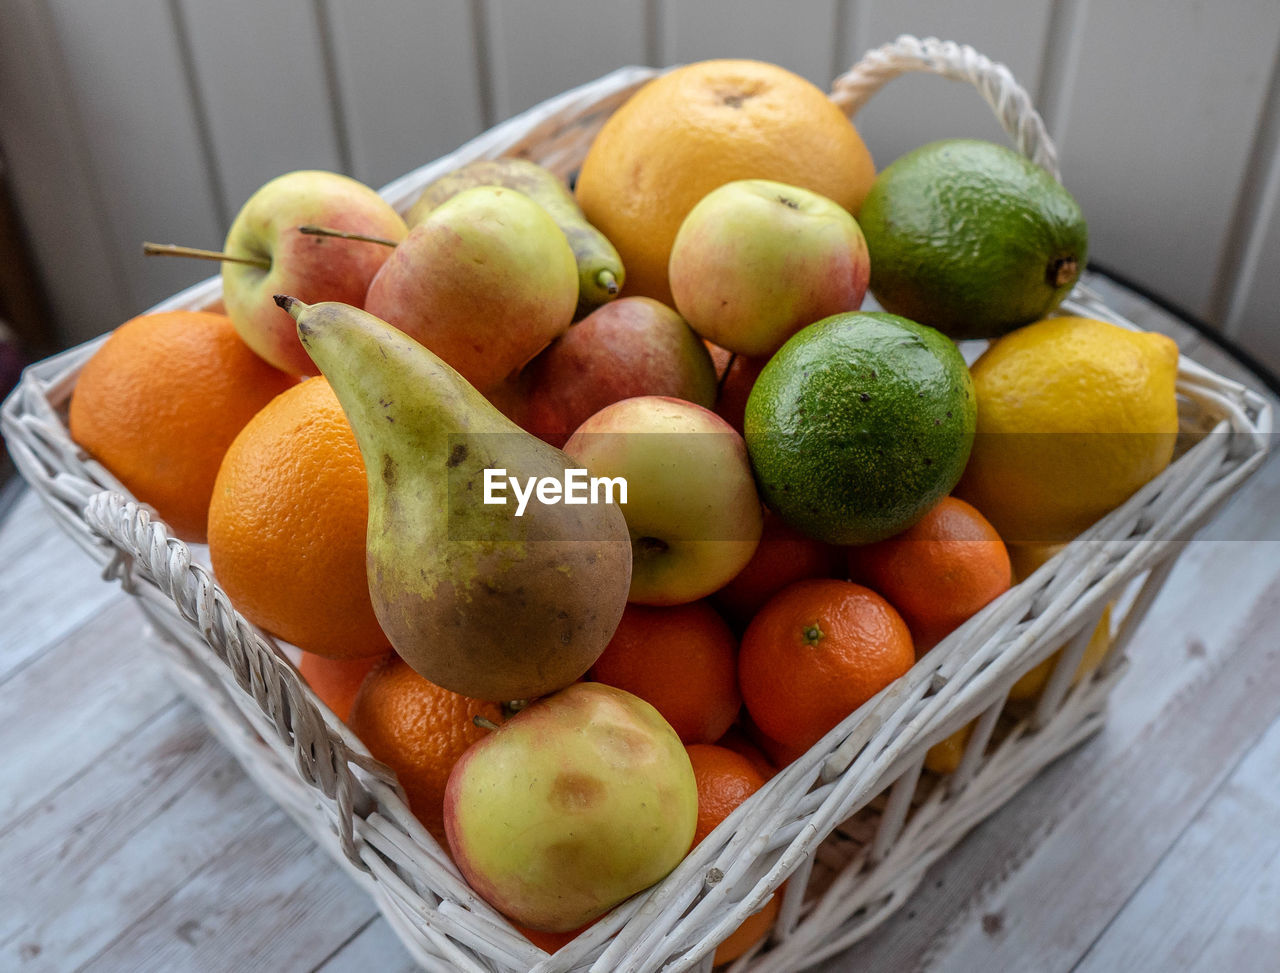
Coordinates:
[287,526]
[682,660]
[336,681]
[161,400]
[725,779]
[702,125]
[419,730]
[816,652]
[783,555]
[737,740]
[939,571]
[753,929]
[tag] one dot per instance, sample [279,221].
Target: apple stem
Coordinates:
[172,250]
[606,280]
[484,722]
[311,229]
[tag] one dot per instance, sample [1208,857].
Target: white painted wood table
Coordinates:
[129,840]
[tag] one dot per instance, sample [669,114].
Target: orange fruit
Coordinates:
[783,555]
[336,681]
[739,742]
[161,400]
[939,571]
[419,730]
[816,652]
[698,127]
[753,929]
[287,526]
[725,779]
[682,660]
[550,942]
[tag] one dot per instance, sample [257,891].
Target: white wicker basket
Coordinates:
[853,824]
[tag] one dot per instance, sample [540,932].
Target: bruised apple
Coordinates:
[576,803]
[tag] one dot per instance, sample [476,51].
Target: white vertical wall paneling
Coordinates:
[1162,118]
[915,109]
[42,136]
[1248,301]
[1255,321]
[408,79]
[1058,68]
[125,67]
[264,84]
[796,35]
[537,50]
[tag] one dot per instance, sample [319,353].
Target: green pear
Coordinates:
[600,272]
[493,600]
[575,804]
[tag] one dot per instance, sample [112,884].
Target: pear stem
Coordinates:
[172,250]
[607,281]
[310,229]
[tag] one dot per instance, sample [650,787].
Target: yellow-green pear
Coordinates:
[507,599]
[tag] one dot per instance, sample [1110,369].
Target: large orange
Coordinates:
[939,571]
[682,660]
[287,526]
[159,403]
[816,652]
[698,127]
[419,730]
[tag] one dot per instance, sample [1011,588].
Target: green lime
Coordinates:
[859,425]
[971,238]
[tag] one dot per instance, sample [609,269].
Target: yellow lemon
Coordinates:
[945,755]
[1025,558]
[1074,415]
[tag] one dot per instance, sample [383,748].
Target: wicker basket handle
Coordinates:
[959,62]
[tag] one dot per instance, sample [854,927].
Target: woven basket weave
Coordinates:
[853,824]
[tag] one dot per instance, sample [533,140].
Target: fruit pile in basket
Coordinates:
[598,506]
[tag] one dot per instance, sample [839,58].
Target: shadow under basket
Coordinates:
[853,824]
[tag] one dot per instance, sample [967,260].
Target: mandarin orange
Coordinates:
[816,652]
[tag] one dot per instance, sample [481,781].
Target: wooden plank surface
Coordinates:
[1233,834]
[144,846]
